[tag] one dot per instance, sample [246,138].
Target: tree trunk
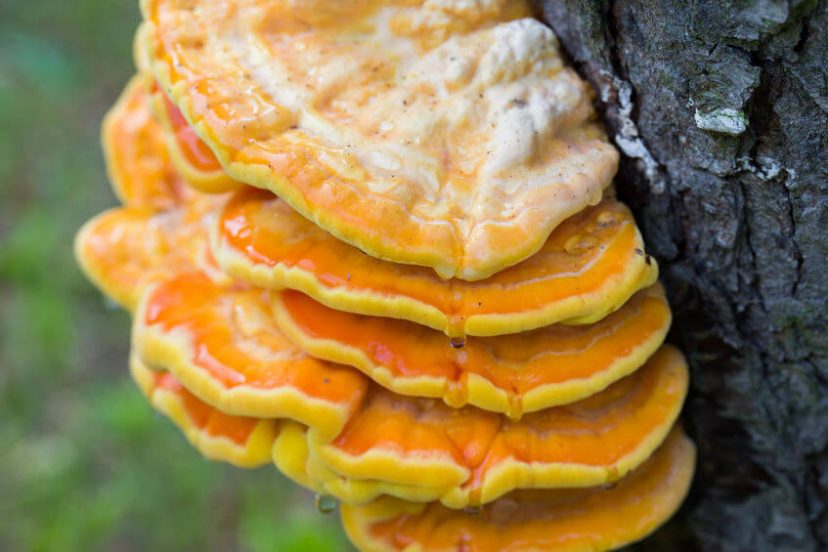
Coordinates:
[721,110]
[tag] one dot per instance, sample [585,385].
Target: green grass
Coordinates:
[84,462]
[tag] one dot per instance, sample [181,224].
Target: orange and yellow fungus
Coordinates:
[244,442]
[419,297]
[125,249]
[221,342]
[466,457]
[512,374]
[139,168]
[192,158]
[588,267]
[572,519]
[443,134]
[562,520]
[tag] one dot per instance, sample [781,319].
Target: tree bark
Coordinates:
[721,111]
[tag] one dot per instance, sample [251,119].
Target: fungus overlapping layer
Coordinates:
[588,519]
[137,163]
[445,135]
[242,441]
[126,249]
[221,340]
[190,155]
[563,447]
[542,519]
[588,267]
[297,329]
[222,344]
[513,374]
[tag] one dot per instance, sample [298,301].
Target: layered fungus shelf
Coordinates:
[375,244]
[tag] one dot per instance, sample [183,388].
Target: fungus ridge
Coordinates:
[511,374]
[464,176]
[219,341]
[590,266]
[572,520]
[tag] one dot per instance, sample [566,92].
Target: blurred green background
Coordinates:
[84,462]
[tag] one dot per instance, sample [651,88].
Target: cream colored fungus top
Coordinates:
[444,133]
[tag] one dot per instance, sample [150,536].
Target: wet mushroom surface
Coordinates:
[334,268]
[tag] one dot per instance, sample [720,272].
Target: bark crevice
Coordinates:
[721,112]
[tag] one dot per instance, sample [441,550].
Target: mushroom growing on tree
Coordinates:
[444,319]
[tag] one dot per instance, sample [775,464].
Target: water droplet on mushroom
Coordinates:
[325,503]
[456,326]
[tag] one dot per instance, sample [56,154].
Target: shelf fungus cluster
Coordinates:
[376,245]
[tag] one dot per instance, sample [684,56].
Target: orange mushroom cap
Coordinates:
[138,165]
[513,373]
[448,137]
[161,231]
[239,440]
[124,250]
[192,158]
[466,457]
[589,266]
[439,171]
[221,342]
[570,520]
[244,442]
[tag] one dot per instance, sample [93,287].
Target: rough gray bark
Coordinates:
[722,111]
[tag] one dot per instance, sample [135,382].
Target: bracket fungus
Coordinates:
[592,519]
[419,134]
[125,249]
[513,373]
[242,441]
[588,267]
[221,343]
[443,312]
[138,165]
[192,158]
